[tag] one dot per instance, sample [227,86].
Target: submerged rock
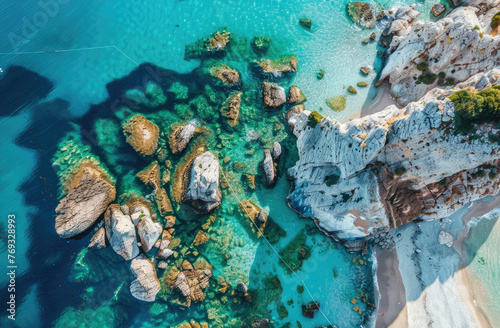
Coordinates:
[146,285]
[89,195]
[163,251]
[192,282]
[295,95]
[445,238]
[261,44]
[98,241]
[231,108]
[120,232]
[258,218]
[310,310]
[276,152]
[260,323]
[336,103]
[362,13]
[276,68]
[241,287]
[180,136]
[203,190]
[221,74]
[273,95]
[215,45]
[150,175]
[306,22]
[141,134]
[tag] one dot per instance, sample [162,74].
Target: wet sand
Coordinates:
[392,291]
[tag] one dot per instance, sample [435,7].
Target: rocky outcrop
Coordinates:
[146,284]
[363,177]
[273,95]
[447,51]
[150,175]
[438,9]
[213,46]
[191,282]
[141,134]
[203,190]
[120,232]
[261,44]
[180,136]
[163,251]
[295,95]
[220,74]
[148,231]
[362,13]
[98,241]
[275,68]
[231,108]
[89,195]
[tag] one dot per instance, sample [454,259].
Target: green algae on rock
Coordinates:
[295,253]
[141,134]
[306,22]
[152,96]
[231,108]
[362,84]
[221,74]
[257,217]
[362,13]
[336,103]
[352,89]
[276,68]
[314,119]
[295,95]
[261,44]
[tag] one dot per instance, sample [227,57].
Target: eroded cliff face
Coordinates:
[363,177]
[451,50]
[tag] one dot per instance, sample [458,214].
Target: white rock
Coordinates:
[121,232]
[146,285]
[203,190]
[445,238]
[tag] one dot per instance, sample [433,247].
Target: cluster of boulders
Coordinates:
[270,164]
[215,45]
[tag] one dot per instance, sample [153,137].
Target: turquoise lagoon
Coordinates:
[62,284]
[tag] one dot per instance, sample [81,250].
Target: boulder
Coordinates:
[221,74]
[146,284]
[258,218]
[98,241]
[180,136]
[310,310]
[148,231]
[89,196]
[192,282]
[273,95]
[367,69]
[231,108]
[295,95]
[260,323]
[362,13]
[438,9]
[163,251]
[241,287]
[203,190]
[276,152]
[306,22]
[120,232]
[141,134]
[150,175]
[269,169]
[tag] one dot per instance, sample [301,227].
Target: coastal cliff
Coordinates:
[361,178]
[423,54]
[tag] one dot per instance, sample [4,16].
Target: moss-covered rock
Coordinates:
[215,45]
[261,44]
[336,103]
[275,68]
[141,134]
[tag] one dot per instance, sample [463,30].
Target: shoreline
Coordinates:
[382,100]
[469,291]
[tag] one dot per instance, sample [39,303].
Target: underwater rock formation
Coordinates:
[180,136]
[275,68]
[98,241]
[273,95]
[362,13]
[88,196]
[258,218]
[261,44]
[220,74]
[141,134]
[150,176]
[363,177]
[295,95]
[163,251]
[120,231]
[203,191]
[215,45]
[269,169]
[452,49]
[146,285]
[192,282]
[231,108]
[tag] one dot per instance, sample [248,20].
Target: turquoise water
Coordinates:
[52,283]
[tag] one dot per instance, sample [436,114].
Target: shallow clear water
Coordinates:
[49,275]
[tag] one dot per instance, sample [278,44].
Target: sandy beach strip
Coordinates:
[392,291]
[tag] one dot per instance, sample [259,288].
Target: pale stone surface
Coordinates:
[203,190]
[273,95]
[451,46]
[180,137]
[363,154]
[445,238]
[269,168]
[98,241]
[120,232]
[146,285]
[84,203]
